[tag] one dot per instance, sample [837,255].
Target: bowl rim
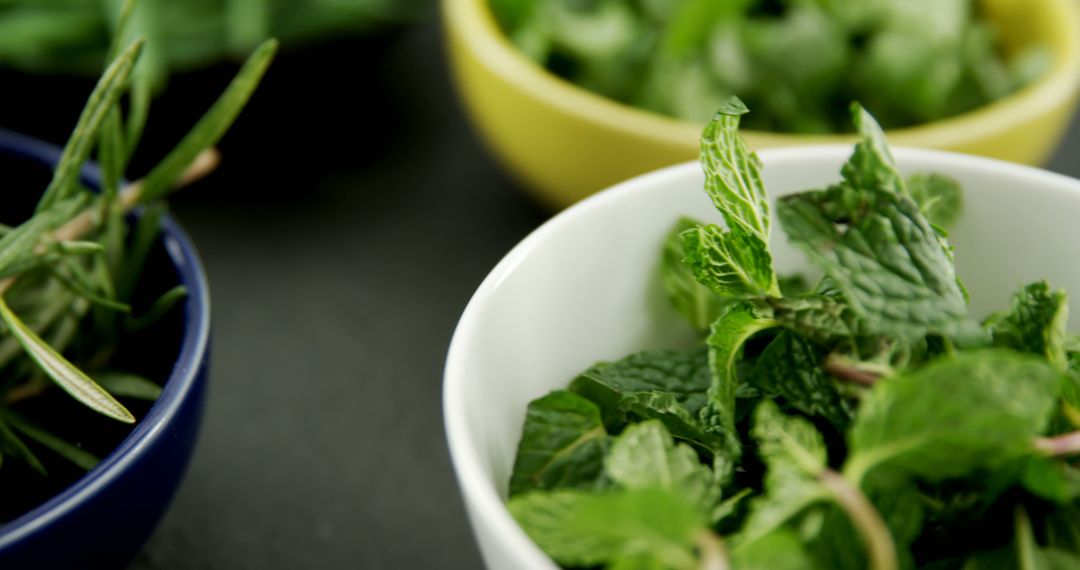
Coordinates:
[473,22]
[478,491]
[190,362]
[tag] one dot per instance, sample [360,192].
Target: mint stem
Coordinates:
[713,554]
[844,369]
[871,528]
[1064,444]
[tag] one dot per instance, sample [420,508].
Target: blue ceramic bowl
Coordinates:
[103,519]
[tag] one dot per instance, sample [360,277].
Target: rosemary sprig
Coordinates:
[72,268]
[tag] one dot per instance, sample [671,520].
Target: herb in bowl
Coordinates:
[868,421]
[73,301]
[795,63]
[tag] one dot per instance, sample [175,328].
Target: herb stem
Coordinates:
[713,553]
[128,198]
[863,374]
[871,528]
[1064,444]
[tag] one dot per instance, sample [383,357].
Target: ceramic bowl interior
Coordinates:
[565,142]
[141,474]
[584,287]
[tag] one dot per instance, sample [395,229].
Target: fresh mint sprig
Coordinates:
[865,422]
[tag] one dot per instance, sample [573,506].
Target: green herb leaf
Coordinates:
[65,374]
[105,95]
[779,549]
[644,456]
[577,528]
[682,374]
[733,174]
[871,166]
[730,331]
[128,385]
[939,198]
[72,453]
[562,445]
[976,410]
[699,304]
[10,444]
[888,262]
[212,126]
[1036,323]
[668,386]
[730,263]
[794,453]
[790,368]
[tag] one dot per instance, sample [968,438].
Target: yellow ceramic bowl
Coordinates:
[565,143]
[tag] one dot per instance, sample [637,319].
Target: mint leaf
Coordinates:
[794,453]
[886,260]
[1036,323]
[1051,479]
[824,320]
[577,528]
[683,374]
[779,549]
[977,410]
[733,174]
[871,166]
[735,262]
[698,303]
[730,331]
[788,441]
[645,456]
[939,197]
[665,385]
[562,444]
[790,368]
[1062,528]
[730,263]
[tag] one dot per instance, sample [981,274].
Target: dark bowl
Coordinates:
[103,519]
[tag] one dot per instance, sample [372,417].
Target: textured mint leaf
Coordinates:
[669,386]
[1062,528]
[645,456]
[872,166]
[730,331]
[730,263]
[698,303]
[1035,323]
[788,441]
[794,285]
[578,528]
[779,549]
[977,410]
[1051,479]
[886,260]
[562,445]
[831,540]
[794,454]
[683,374]
[824,320]
[790,368]
[733,174]
[939,197]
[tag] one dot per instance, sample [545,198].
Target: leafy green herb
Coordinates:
[70,272]
[796,63]
[563,444]
[866,421]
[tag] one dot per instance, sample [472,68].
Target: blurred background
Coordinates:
[355,212]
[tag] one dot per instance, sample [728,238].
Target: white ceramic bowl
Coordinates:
[584,287]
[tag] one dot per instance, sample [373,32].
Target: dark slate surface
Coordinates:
[355,214]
